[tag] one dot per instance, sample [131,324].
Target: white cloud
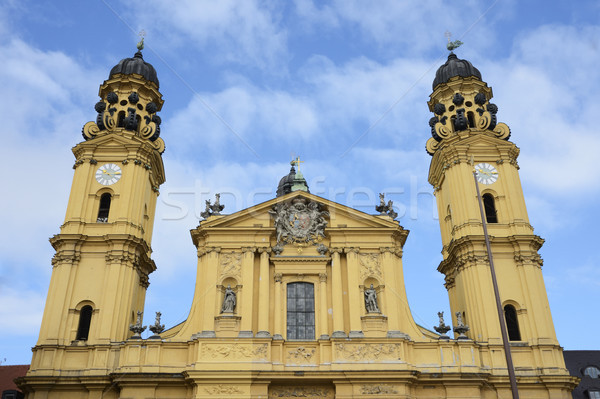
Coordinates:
[413,26]
[243,32]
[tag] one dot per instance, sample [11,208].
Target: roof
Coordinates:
[9,373]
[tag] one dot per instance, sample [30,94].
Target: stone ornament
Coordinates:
[157,328]
[229,301]
[300,221]
[460,328]
[300,392]
[213,209]
[386,209]
[442,328]
[378,389]
[137,328]
[368,352]
[371,300]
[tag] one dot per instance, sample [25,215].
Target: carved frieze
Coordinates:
[378,389]
[234,351]
[222,390]
[301,392]
[230,265]
[367,352]
[301,355]
[370,266]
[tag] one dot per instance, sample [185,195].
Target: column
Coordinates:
[393,293]
[337,295]
[323,324]
[356,303]
[246,303]
[210,297]
[263,294]
[277,327]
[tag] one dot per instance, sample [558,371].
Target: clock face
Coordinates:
[486,173]
[108,174]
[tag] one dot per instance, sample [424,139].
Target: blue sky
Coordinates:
[343,84]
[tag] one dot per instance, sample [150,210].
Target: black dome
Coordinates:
[137,65]
[455,67]
[286,182]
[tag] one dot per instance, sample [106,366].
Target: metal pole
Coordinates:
[509,362]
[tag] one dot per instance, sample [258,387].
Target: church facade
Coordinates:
[298,296]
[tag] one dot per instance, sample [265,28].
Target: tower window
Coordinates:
[300,311]
[471,119]
[490,208]
[512,323]
[104,208]
[85,319]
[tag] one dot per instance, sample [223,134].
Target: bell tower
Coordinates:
[102,261]
[465,136]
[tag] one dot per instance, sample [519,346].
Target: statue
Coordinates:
[137,328]
[460,328]
[213,209]
[371,300]
[229,301]
[442,328]
[157,328]
[386,209]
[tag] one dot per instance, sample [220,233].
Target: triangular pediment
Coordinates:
[340,216]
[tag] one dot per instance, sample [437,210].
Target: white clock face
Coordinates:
[108,174]
[486,173]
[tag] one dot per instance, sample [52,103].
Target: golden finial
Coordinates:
[452,45]
[140,45]
[296,162]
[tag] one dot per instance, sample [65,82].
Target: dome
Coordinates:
[455,67]
[137,65]
[285,184]
[291,182]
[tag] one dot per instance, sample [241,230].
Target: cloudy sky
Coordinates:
[342,84]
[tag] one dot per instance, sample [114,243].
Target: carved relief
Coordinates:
[370,266]
[299,222]
[233,351]
[301,392]
[378,389]
[222,389]
[301,355]
[230,265]
[367,351]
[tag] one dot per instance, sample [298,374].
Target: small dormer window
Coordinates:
[592,371]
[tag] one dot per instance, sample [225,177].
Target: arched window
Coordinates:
[85,318]
[592,371]
[300,311]
[512,323]
[490,208]
[104,208]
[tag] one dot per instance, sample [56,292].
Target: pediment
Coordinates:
[340,216]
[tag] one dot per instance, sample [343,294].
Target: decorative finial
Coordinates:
[213,209]
[452,45]
[386,209]
[140,45]
[442,328]
[296,162]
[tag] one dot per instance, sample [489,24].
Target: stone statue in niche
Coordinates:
[371,300]
[229,301]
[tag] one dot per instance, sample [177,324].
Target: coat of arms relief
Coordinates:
[301,222]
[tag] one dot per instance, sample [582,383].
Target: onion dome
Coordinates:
[137,65]
[455,67]
[292,182]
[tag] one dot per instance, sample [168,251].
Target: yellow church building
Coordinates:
[299,296]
